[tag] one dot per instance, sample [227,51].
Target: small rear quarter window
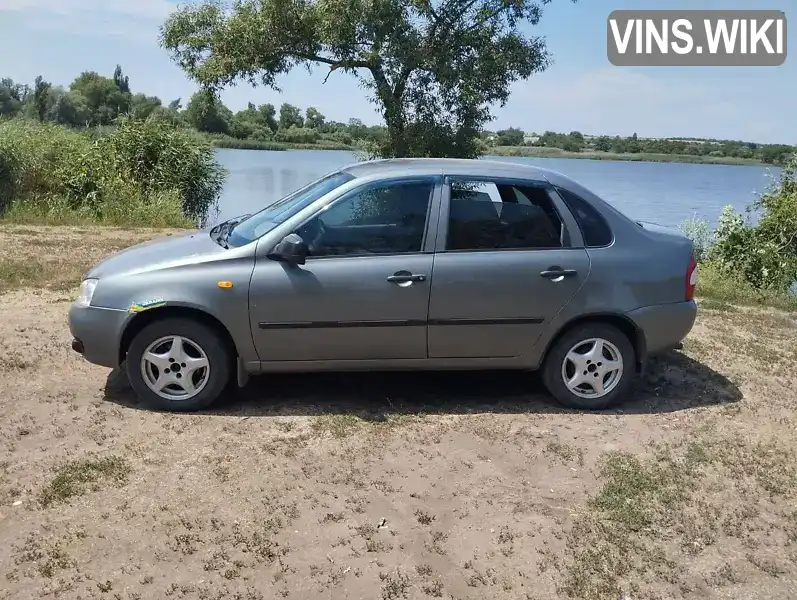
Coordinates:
[594,228]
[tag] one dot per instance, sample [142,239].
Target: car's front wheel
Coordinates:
[590,367]
[178,365]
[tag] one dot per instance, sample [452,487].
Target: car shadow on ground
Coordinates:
[673,382]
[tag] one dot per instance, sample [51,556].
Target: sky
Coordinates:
[581,91]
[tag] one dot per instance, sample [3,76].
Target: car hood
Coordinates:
[168,251]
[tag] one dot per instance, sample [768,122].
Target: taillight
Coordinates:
[691,278]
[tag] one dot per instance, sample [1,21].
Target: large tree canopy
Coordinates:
[433,67]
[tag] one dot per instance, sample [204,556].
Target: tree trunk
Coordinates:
[393,113]
[396,133]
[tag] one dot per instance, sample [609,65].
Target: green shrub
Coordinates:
[140,172]
[31,158]
[764,254]
[297,135]
[160,157]
[227,142]
[697,230]
[125,208]
[340,137]
[730,289]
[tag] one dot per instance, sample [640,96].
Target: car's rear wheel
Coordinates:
[178,364]
[590,367]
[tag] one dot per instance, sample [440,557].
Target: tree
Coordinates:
[206,112]
[69,108]
[122,82]
[41,90]
[603,144]
[433,67]
[510,137]
[142,106]
[313,119]
[167,114]
[290,115]
[12,97]
[268,116]
[241,126]
[104,97]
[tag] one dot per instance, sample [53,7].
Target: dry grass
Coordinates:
[56,258]
[464,485]
[74,478]
[654,512]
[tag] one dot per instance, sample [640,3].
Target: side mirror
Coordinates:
[292,250]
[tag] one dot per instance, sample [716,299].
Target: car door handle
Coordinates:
[406,278]
[558,272]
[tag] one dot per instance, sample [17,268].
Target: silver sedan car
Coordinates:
[397,264]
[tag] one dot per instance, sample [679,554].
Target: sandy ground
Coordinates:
[459,485]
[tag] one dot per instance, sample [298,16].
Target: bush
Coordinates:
[722,288]
[141,172]
[31,156]
[765,254]
[297,135]
[340,137]
[160,157]
[227,142]
[697,230]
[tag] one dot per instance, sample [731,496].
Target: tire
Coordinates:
[586,395]
[191,386]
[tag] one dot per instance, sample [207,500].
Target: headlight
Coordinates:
[86,292]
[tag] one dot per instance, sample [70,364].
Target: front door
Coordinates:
[504,272]
[364,291]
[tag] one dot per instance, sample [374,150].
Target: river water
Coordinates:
[663,193]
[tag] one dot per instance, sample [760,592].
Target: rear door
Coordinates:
[509,257]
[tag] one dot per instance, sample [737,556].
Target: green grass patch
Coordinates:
[346,424]
[158,211]
[16,274]
[719,291]
[237,144]
[338,426]
[271,145]
[564,451]
[74,478]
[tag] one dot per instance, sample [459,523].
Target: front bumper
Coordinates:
[664,325]
[97,333]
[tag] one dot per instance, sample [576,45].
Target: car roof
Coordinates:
[392,167]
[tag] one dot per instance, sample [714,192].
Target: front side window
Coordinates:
[486,215]
[272,215]
[389,219]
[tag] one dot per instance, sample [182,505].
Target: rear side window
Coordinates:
[594,228]
[492,215]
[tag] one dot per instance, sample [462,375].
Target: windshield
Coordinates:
[267,219]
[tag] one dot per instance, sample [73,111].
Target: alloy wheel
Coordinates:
[592,368]
[175,367]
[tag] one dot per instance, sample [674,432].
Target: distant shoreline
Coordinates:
[537,152]
[235,144]
[518,151]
